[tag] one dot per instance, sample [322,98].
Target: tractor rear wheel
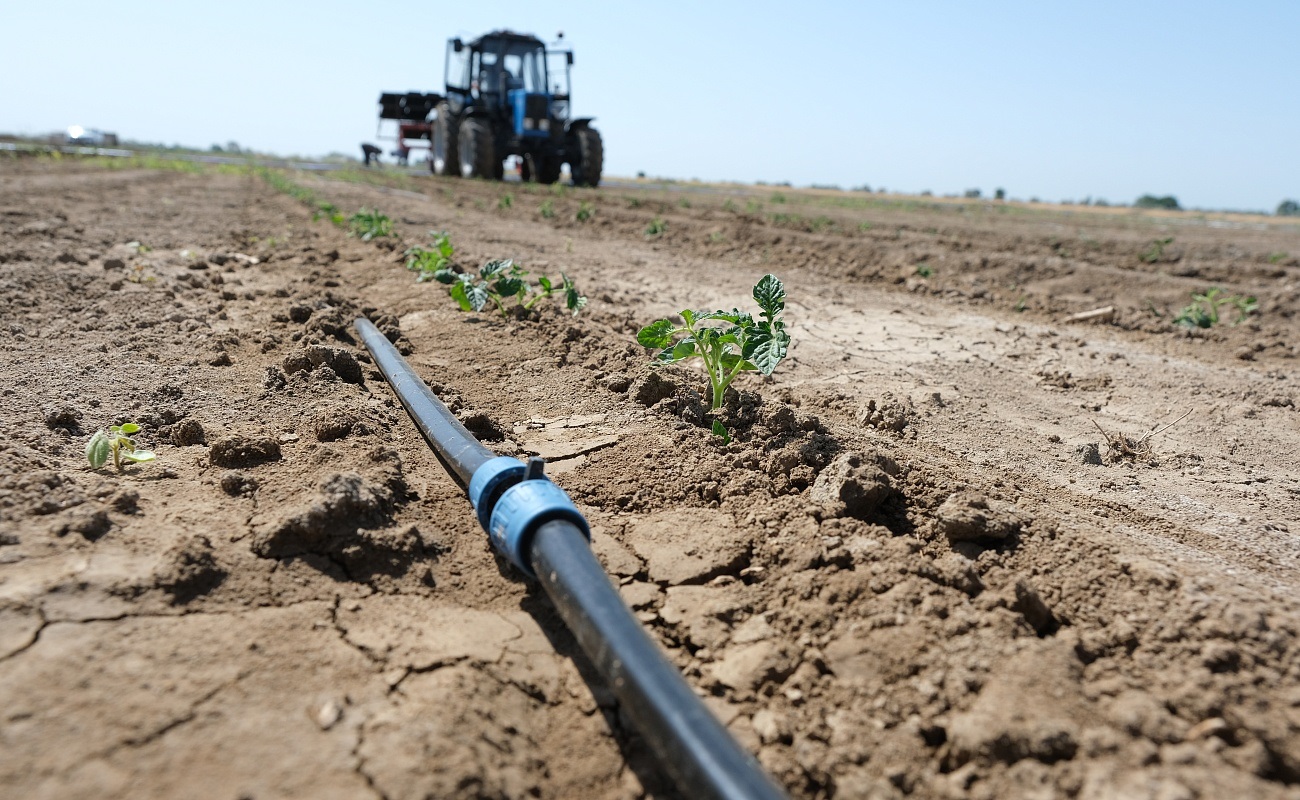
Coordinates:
[475,144]
[443,160]
[588,156]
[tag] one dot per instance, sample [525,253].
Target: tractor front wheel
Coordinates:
[588,157]
[443,158]
[475,143]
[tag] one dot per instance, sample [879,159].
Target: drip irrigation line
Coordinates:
[535,525]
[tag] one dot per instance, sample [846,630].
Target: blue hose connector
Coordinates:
[528,501]
[487,482]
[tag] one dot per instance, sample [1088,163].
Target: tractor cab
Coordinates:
[508,94]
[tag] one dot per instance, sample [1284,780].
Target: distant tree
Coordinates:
[216,148]
[233,147]
[999,193]
[1151,201]
[927,193]
[863,188]
[1288,208]
[1100,201]
[973,194]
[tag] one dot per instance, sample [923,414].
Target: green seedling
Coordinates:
[429,262]
[1276,258]
[499,281]
[728,342]
[1156,250]
[547,209]
[116,442]
[924,270]
[1204,311]
[507,200]
[369,224]
[656,227]
[585,212]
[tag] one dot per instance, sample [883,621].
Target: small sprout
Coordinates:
[115,442]
[507,200]
[924,270]
[656,227]
[1156,250]
[432,263]
[585,210]
[738,344]
[547,209]
[369,224]
[1204,309]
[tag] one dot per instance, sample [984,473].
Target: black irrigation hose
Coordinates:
[535,525]
[455,445]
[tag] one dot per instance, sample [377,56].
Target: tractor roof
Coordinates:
[525,38]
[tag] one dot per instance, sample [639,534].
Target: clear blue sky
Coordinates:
[1048,99]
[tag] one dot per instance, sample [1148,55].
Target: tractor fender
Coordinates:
[582,122]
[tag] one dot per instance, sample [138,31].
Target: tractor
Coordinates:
[507,94]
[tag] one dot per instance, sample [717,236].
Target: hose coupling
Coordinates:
[513,500]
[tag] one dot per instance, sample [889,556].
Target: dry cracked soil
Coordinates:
[941,557]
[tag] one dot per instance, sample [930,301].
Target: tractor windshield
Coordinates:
[503,65]
[525,67]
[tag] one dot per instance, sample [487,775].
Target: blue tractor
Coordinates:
[507,94]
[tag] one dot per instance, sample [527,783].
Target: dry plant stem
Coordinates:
[1121,446]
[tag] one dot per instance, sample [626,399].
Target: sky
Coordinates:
[1057,101]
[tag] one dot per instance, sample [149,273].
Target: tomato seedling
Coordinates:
[429,262]
[115,442]
[498,281]
[369,224]
[729,342]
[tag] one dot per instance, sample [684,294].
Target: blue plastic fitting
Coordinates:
[487,481]
[527,500]
[521,510]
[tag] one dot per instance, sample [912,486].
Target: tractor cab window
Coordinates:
[489,75]
[558,73]
[458,74]
[525,68]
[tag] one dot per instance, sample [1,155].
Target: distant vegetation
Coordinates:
[1288,208]
[1151,201]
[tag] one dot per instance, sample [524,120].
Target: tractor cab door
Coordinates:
[557,77]
[457,70]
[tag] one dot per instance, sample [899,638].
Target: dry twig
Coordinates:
[1121,446]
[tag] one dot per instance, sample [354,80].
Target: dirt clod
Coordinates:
[189,569]
[853,484]
[238,450]
[188,432]
[969,516]
[62,416]
[341,361]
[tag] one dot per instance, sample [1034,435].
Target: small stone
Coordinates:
[114,263]
[300,313]
[327,714]
[768,726]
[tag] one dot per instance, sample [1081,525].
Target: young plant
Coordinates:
[924,270]
[547,209]
[728,342]
[585,211]
[369,224]
[1156,250]
[507,200]
[499,281]
[428,263]
[115,442]
[656,227]
[1204,309]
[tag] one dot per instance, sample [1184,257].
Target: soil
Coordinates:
[919,569]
